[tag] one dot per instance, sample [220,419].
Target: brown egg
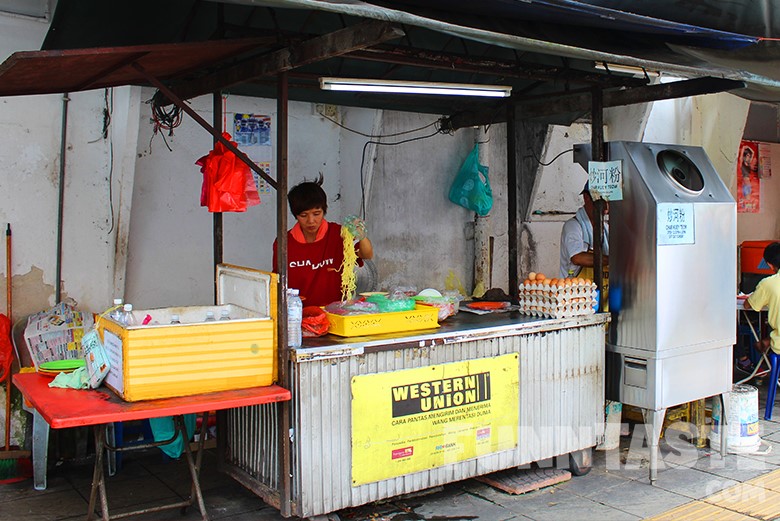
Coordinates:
[553,282]
[567,282]
[526,282]
[546,282]
[532,275]
[540,276]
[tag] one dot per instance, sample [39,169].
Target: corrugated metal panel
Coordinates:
[252,442]
[561,411]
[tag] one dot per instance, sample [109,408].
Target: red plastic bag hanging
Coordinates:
[6,348]
[315,322]
[228,184]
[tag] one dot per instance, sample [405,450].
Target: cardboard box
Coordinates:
[163,360]
[422,317]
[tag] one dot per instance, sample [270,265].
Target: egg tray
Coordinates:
[558,311]
[575,290]
[559,298]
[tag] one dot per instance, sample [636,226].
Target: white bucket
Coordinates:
[614,413]
[742,435]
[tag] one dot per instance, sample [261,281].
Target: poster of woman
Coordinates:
[748,186]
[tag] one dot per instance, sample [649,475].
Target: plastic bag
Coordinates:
[471,188]
[315,322]
[228,184]
[96,358]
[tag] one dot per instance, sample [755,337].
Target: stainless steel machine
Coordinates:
[672,282]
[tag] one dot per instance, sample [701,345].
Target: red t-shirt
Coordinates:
[313,268]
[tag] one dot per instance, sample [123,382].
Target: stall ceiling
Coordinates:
[548,51]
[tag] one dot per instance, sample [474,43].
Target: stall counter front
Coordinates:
[381,416]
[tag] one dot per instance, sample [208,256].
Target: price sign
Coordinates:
[606,180]
[675,223]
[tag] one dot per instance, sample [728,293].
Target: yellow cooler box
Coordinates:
[163,360]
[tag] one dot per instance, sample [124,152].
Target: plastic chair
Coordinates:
[138,432]
[774,361]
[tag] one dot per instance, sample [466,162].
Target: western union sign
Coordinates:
[417,419]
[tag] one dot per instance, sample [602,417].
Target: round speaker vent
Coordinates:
[681,171]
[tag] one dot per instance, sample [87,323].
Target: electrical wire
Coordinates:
[378,136]
[532,155]
[164,118]
[370,142]
[108,111]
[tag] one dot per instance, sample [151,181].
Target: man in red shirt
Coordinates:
[314,246]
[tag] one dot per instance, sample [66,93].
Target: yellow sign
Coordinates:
[418,419]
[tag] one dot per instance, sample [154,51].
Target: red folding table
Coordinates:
[100,408]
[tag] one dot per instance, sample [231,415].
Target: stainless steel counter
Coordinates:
[463,326]
[559,406]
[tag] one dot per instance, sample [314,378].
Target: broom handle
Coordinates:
[8,307]
[8,272]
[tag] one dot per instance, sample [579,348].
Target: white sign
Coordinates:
[675,223]
[113,346]
[605,180]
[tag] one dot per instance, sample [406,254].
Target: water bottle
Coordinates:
[210,316]
[128,319]
[224,315]
[175,319]
[116,310]
[294,318]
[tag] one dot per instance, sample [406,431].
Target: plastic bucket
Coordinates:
[742,429]
[613,412]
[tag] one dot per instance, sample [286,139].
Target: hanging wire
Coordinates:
[438,131]
[532,155]
[372,136]
[163,118]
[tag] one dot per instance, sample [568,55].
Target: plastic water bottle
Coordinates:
[210,316]
[128,318]
[175,319]
[116,310]
[294,318]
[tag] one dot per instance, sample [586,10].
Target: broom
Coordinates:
[15,465]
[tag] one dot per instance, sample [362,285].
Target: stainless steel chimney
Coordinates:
[673,280]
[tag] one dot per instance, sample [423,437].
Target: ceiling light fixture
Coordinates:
[415,87]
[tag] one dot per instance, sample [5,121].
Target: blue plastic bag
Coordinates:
[471,188]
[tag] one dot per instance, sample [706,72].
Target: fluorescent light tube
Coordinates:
[415,87]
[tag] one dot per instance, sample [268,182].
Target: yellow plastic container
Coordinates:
[422,317]
[163,360]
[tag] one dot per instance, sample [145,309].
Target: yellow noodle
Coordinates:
[348,267]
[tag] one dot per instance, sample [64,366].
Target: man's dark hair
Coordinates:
[308,195]
[772,254]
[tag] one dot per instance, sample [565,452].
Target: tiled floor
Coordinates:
[692,484]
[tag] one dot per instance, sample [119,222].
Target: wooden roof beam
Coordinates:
[564,103]
[343,41]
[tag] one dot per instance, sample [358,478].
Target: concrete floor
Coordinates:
[617,488]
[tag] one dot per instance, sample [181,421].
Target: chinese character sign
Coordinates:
[605,180]
[675,223]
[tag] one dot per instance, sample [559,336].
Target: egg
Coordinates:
[567,282]
[532,275]
[540,276]
[527,282]
[546,282]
